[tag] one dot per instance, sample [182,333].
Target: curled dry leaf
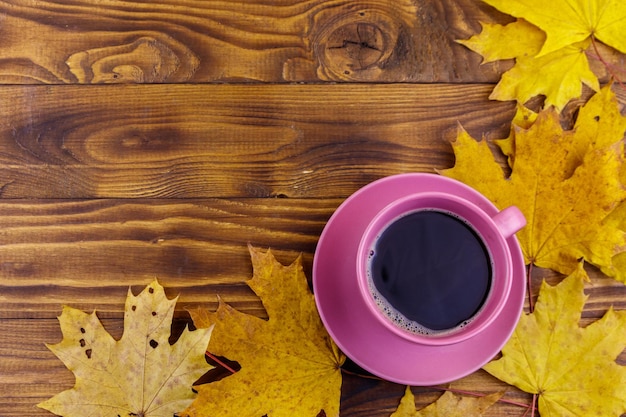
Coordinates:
[448,405]
[571,369]
[568,184]
[139,375]
[289,364]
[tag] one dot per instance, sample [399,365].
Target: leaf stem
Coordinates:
[221,363]
[532,408]
[529,287]
[352,373]
[608,66]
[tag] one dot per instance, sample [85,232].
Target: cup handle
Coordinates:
[509,221]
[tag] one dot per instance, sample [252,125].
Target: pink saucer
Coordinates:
[352,325]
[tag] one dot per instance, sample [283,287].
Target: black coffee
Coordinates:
[433,269]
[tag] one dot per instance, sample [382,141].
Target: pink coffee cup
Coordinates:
[435,268]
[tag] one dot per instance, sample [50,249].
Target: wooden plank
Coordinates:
[172,41]
[30,373]
[230,140]
[107,41]
[375,398]
[41,375]
[103,188]
[88,253]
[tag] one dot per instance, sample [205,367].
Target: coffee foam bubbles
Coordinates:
[400,320]
[394,315]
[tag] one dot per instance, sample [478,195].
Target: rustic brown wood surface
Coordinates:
[156,139]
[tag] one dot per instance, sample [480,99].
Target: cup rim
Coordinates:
[491,237]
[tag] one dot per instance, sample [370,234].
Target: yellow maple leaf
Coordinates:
[289,364]
[139,375]
[448,405]
[548,43]
[514,40]
[524,118]
[599,124]
[558,75]
[571,369]
[567,22]
[567,184]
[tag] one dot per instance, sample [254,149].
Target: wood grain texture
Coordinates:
[29,372]
[230,140]
[172,41]
[44,376]
[156,139]
[88,253]
[107,41]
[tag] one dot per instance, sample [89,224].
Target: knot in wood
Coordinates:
[358,42]
[143,60]
[356,46]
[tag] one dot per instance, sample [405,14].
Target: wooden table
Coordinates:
[156,139]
